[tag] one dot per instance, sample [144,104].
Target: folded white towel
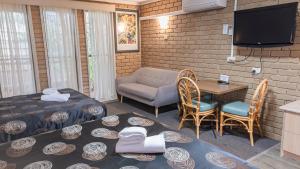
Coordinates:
[50,91]
[153,144]
[133,134]
[56,97]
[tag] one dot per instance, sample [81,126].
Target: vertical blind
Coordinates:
[16,63]
[101,51]
[59,30]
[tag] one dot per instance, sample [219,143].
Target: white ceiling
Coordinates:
[134,2]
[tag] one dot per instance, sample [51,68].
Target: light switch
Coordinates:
[225,29]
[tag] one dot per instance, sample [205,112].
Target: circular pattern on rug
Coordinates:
[79,166]
[95,110]
[138,121]
[94,157]
[104,133]
[129,167]
[54,148]
[94,148]
[188,164]
[7,107]
[176,154]
[71,132]
[139,157]
[10,152]
[15,127]
[39,165]
[59,117]
[23,143]
[69,149]
[171,136]
[3,164]
[220,160]
[110,120]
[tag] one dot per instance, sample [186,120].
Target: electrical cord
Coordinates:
[246,57]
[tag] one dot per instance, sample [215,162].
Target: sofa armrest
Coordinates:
[126,79]
[166,95]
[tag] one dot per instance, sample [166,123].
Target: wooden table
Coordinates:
[291,130]
[213,87]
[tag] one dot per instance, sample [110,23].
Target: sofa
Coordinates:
[151,86]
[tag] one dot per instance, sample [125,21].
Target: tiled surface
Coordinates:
[271,160]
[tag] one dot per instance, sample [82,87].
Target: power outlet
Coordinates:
[231,59]
[256,70]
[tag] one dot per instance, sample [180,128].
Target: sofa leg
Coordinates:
[156,112]
[121,99]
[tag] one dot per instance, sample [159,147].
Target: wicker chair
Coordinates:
[185,73]
[245,114]
[194,109]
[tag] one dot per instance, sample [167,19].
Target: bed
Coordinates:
[27,115]
[93,148]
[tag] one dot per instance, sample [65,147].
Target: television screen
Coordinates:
[266,26]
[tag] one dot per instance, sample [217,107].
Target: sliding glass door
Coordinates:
[16,63]
[101,52]
[59,30]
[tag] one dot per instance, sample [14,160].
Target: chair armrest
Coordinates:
[166,95]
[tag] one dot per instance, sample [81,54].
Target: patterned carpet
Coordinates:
[232,141]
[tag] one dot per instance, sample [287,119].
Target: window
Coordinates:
[101,53]
[59,30]
[16,63]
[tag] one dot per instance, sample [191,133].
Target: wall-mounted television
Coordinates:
[266,26]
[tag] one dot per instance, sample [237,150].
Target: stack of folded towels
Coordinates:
[52,94]
[135,140]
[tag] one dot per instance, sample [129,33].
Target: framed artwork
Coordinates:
[126,30]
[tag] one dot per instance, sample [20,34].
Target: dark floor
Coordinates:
[232,141]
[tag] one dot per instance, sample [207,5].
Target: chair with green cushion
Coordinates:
[244,113]
[192,108]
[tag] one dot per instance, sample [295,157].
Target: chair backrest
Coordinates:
[188,91]
[259,98]
[187,73]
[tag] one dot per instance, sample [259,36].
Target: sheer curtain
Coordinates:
[16,63]
[59,30]
[101,51]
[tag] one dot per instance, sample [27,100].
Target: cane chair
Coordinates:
[192,108]
[245,114]
[185,73]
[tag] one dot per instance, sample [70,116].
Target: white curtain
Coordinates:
[59,30]
[16,63]
[101,51]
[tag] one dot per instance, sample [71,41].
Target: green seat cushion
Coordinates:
[205,106]
[236,108]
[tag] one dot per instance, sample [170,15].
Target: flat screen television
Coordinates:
[269,26]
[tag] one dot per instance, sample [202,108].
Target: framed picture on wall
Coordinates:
[126,30]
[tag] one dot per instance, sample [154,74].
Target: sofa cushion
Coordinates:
[155,77]
[140,90]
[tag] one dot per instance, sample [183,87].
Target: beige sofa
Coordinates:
[151,86]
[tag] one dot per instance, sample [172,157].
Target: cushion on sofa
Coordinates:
[155,77]
[140,90]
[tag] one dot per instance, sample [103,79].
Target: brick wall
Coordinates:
[130,61]
[83,52]
[160,7]
[126,62]
[195,41]
[39,43]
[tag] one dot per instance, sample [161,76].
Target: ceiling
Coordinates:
[134,2]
